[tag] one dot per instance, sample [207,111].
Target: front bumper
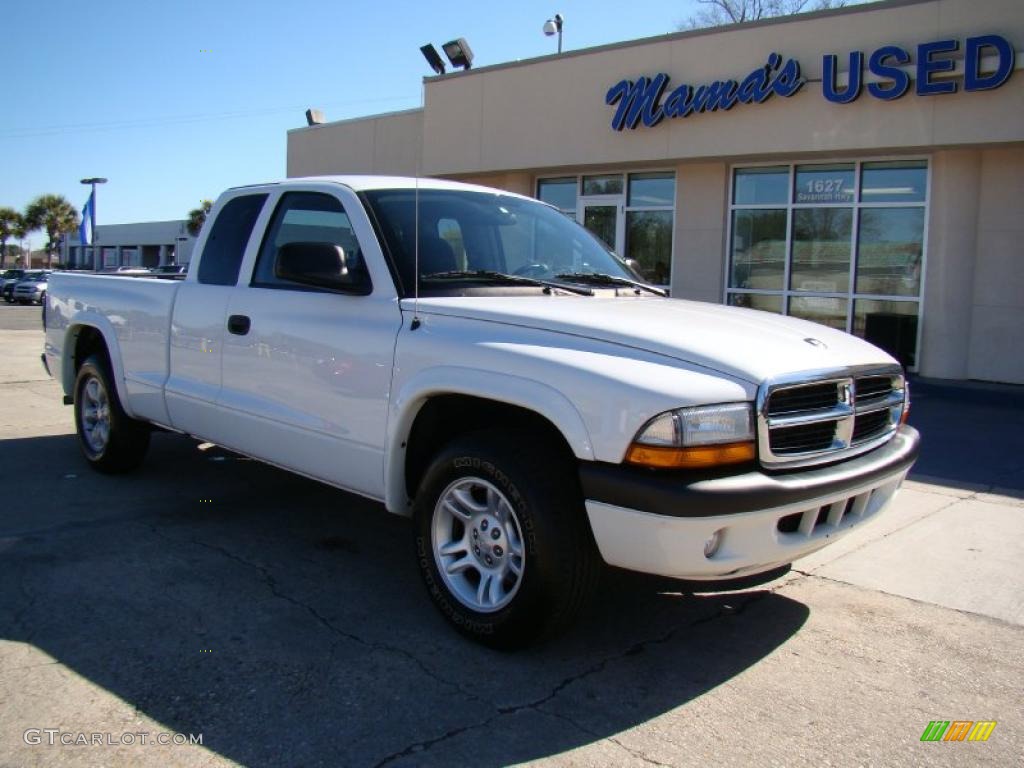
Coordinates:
[657,523]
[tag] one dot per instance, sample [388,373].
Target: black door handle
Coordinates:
[239,324]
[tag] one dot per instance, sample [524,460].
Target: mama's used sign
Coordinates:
[649,99]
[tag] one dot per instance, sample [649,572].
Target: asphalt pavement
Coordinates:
[283,622]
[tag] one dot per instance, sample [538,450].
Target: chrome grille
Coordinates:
[815,419]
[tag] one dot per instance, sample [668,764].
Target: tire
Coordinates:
[111,441]
[541,565]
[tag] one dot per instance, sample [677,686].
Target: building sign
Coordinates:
[650,100]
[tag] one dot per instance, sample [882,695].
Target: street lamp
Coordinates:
[92,182]
[554,27]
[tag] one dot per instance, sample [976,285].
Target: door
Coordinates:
[307,370]
[603,215]
[197,327]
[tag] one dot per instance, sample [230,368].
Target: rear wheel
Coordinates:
[502,540]
[111,441]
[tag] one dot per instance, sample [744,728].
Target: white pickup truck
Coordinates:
[477,361]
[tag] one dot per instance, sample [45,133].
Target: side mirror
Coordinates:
[321,265]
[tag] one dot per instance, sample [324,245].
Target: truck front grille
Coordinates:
[816,420]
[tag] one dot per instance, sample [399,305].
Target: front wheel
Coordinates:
[502,540]
[111,441]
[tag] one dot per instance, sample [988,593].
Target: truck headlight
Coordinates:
[691,438]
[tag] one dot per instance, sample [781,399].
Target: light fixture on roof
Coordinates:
[459,53]
[554,27]
[433,58]
[314,117]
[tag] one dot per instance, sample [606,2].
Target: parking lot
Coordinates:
[284,621]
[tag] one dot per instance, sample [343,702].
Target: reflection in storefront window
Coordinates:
[889,251]
[560,193]
[651,190]
[761,186]
[821,309]
[764,302]
[758,249]
[821,250]
[649,242]
[600,219]
[602,185]
[897,181]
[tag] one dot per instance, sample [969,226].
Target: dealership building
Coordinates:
[862,168]
[145,244]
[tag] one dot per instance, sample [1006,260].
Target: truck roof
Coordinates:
[364,182]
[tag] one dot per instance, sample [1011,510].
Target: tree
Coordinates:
[10,226]
[54,214]
[197,217]
[717,13]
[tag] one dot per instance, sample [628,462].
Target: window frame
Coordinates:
[265,197]
[363,288]
[855,205]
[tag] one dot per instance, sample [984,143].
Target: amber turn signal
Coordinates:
[694,457]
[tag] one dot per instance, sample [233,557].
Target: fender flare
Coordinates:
[487,385]
[89,319]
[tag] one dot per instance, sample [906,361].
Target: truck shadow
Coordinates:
[285,621]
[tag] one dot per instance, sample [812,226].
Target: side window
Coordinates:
[308,217]
[225,247]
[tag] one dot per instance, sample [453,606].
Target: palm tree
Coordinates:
[197,217]
[54,214]
[10,226]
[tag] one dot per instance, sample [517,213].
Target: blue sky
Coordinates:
[175,101]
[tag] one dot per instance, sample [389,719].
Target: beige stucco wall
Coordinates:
[388,144]
[552,111]
[997,301]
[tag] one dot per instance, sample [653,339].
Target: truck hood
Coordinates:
[743,343]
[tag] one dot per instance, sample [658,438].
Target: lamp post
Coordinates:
[92,182]
[554,27]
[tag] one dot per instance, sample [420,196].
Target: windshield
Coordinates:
[480,232]
[34,277]
[12,273]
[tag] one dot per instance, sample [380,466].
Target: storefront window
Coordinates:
[894,182]
[651,189]
[764,302]
[600,219]
[821,250]
[632,214]
[892,325]
[649,242]
[560,193]
[836,243]
[889,251]
[758,249]
[826,310]
[824,184]
[761,186]
[603,185]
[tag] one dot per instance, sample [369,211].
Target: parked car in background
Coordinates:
[32,287]
[7,281]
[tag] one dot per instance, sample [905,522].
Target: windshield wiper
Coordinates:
[502,277]
[599,278]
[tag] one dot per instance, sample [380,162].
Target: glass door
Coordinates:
[603,216]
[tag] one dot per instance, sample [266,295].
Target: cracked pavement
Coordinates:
[285,622]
